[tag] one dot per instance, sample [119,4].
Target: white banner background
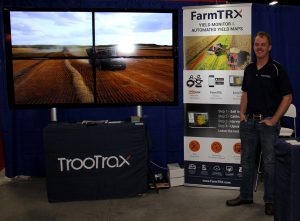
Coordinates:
[217,48]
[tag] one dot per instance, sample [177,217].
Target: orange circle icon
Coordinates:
[237,148]
[194,145]
[216,147]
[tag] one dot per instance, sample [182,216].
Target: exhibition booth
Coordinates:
[145,110]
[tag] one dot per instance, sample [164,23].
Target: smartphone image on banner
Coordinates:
[211,81]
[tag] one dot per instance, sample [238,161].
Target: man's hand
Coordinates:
[268,122]
[243,117]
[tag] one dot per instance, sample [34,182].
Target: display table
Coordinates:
[287,182]
[101,161]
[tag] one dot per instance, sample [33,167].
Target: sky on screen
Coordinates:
[75,28]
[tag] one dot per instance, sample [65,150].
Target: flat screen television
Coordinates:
[75,58]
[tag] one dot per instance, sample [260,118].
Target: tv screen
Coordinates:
[93,58]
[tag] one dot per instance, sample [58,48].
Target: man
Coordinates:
[266,95]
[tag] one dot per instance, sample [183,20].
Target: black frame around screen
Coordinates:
[69,75]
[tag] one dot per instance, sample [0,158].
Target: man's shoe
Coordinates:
[238,201]
[269,209]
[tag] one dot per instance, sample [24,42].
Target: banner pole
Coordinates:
[139,111]
[53,114]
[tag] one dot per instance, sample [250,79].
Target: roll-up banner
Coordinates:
[217,48]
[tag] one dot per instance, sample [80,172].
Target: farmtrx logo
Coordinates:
[219,14]
[95,162]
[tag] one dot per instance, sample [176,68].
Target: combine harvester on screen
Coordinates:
[104,58]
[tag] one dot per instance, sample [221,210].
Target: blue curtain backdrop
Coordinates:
[22,129]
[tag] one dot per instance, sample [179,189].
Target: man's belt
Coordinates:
[256,116]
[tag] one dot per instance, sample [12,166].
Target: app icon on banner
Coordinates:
[192,167]
[216,171]
[216,147]
[194,81]
[229,169]
[216,168]
[194,145]
[237,148]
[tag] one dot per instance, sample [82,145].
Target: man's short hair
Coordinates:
[264,34]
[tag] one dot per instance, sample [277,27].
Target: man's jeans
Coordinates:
[252,134]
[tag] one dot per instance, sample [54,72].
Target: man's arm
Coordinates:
[282,108]
[243,106]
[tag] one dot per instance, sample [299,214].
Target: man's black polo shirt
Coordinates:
[265,87]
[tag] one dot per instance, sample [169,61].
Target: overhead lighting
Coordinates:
[273,3]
